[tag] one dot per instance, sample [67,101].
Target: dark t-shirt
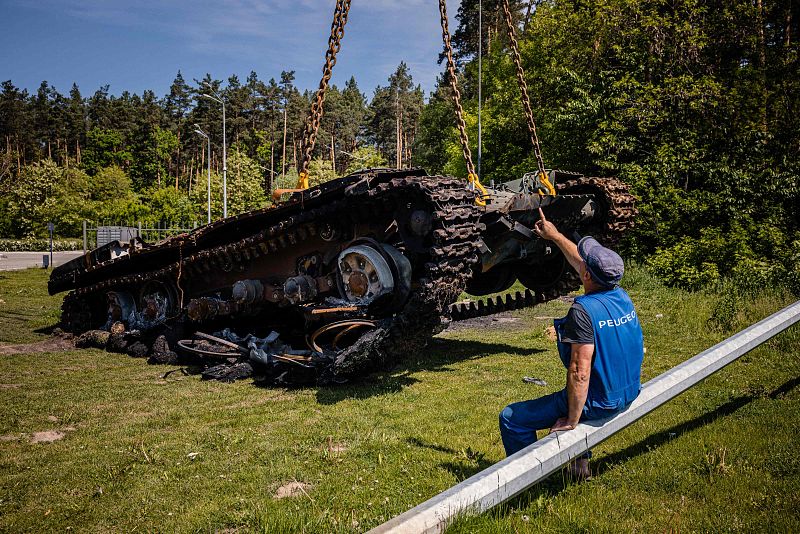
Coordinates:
[578,327]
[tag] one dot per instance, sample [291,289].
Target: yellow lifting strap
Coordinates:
[475,183]
[302,185]
[544,186]
[302,180]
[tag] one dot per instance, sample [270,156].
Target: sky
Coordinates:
[135,45]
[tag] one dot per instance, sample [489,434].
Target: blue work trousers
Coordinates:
[520,421]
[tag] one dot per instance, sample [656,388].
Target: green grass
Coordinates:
[25,307]
[176,454]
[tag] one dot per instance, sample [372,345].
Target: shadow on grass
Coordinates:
[559,481]
[440,354]
[655,440]
[370,386]
[432,446]
[47,330]
[464,463]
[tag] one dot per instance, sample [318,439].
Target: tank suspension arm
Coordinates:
[526,101]
[472,176]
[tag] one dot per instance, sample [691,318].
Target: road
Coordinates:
[12,261]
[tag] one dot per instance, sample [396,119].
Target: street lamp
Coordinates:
[217,98]
[198,131]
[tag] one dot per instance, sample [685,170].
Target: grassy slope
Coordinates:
[720,457]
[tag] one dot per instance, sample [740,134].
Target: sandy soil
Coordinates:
[292,489]
[53,344]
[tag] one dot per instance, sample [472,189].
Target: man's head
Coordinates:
[603,267]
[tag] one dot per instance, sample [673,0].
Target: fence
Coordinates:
[97,234]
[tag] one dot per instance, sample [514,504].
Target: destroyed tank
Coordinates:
[344,277]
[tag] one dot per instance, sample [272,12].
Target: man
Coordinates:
[600,343]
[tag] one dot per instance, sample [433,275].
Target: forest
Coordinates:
[696,105]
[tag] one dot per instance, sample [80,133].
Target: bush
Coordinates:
[28,244]
[685,265]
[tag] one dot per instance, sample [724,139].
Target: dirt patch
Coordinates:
[53,344]
[52,418]
[10,386]
[48,436]
[334,447]
[498,320]
[9,437]
[292,489]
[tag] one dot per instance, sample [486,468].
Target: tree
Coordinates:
[179,100]
[152,156]
[465,36]
[109,183]
[393,116]
[104,148]
[49,193]
[76,123]
[245,189]
[350,120]
[365,157]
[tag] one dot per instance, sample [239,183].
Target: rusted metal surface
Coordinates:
[281,269]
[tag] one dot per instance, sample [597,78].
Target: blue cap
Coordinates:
[604,264]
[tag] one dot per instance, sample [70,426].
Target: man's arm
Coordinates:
[580,367]
[547,230]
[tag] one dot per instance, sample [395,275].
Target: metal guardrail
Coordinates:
[520,471]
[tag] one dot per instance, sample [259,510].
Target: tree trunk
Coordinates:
[787,38]
[294,152]
[762,65]
[283,159]
[178,162]
[333,154]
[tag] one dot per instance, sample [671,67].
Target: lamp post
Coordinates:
[220,100]
[198,131]
[480,82]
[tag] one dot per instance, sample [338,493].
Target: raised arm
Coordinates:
[547,230]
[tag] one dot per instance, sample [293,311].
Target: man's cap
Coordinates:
[604,264]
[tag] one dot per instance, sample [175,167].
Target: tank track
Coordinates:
[455,239]
[454,243]
[620,212]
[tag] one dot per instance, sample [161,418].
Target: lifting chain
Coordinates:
[526,104]
[462,127]
[314,118]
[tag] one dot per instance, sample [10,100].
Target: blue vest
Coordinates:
[618,349]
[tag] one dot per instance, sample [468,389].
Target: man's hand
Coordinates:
[561,425]
[545,229]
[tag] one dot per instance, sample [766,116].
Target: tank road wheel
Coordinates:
[157,301]
[545,275]
[374,274]
[495,280]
